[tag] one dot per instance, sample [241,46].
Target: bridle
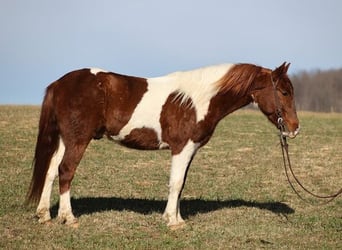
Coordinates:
[286,158]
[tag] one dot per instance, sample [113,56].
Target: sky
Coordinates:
[41,40]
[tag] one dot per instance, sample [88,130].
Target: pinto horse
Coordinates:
[178,111]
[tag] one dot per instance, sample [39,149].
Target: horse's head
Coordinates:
[273,92]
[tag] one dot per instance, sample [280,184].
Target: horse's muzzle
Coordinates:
[291,135]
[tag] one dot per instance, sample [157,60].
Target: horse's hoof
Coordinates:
[43,215]
[67,220]
[47,223]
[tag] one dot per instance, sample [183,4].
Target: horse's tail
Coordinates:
[47,144]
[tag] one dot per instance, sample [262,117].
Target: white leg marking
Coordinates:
[43,209]
[179,166]
[65,214]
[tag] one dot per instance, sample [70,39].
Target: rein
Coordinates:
[286,158]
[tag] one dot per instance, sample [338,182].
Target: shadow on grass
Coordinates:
[189,207]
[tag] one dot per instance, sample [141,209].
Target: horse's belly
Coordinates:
[142,138]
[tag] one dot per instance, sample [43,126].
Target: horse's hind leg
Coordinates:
[43,209]
[72,157]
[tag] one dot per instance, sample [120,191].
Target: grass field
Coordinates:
[236,195]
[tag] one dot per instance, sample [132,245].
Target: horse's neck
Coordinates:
[224,104]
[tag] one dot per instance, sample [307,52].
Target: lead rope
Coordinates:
[288,167]
[286,158]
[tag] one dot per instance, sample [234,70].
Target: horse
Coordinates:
[178,111]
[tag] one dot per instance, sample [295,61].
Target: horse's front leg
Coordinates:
[65,214]
[179,166]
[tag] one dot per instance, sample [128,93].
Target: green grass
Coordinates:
[236,195]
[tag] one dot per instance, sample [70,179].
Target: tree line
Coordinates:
[319,91]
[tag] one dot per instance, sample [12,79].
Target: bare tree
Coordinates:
[319,91]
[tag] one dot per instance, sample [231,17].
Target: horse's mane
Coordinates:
[238,79]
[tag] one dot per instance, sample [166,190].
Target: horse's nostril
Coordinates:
[295,133]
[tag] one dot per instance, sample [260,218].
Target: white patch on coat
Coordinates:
[97,70]
[197,85]
[147,112]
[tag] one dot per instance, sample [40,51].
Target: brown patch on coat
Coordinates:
[142,138]
[78,107]
[123,93]
[177,121]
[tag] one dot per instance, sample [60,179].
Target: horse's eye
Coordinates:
[284,93]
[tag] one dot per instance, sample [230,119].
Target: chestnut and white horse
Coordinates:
[178,111]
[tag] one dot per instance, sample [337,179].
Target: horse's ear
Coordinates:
[281,70]
[287,66]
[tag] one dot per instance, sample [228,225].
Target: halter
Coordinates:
[285,152]
[278,112]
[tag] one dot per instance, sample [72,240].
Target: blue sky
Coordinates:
[41,40]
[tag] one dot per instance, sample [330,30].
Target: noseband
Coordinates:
[285,152]
[278,112]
